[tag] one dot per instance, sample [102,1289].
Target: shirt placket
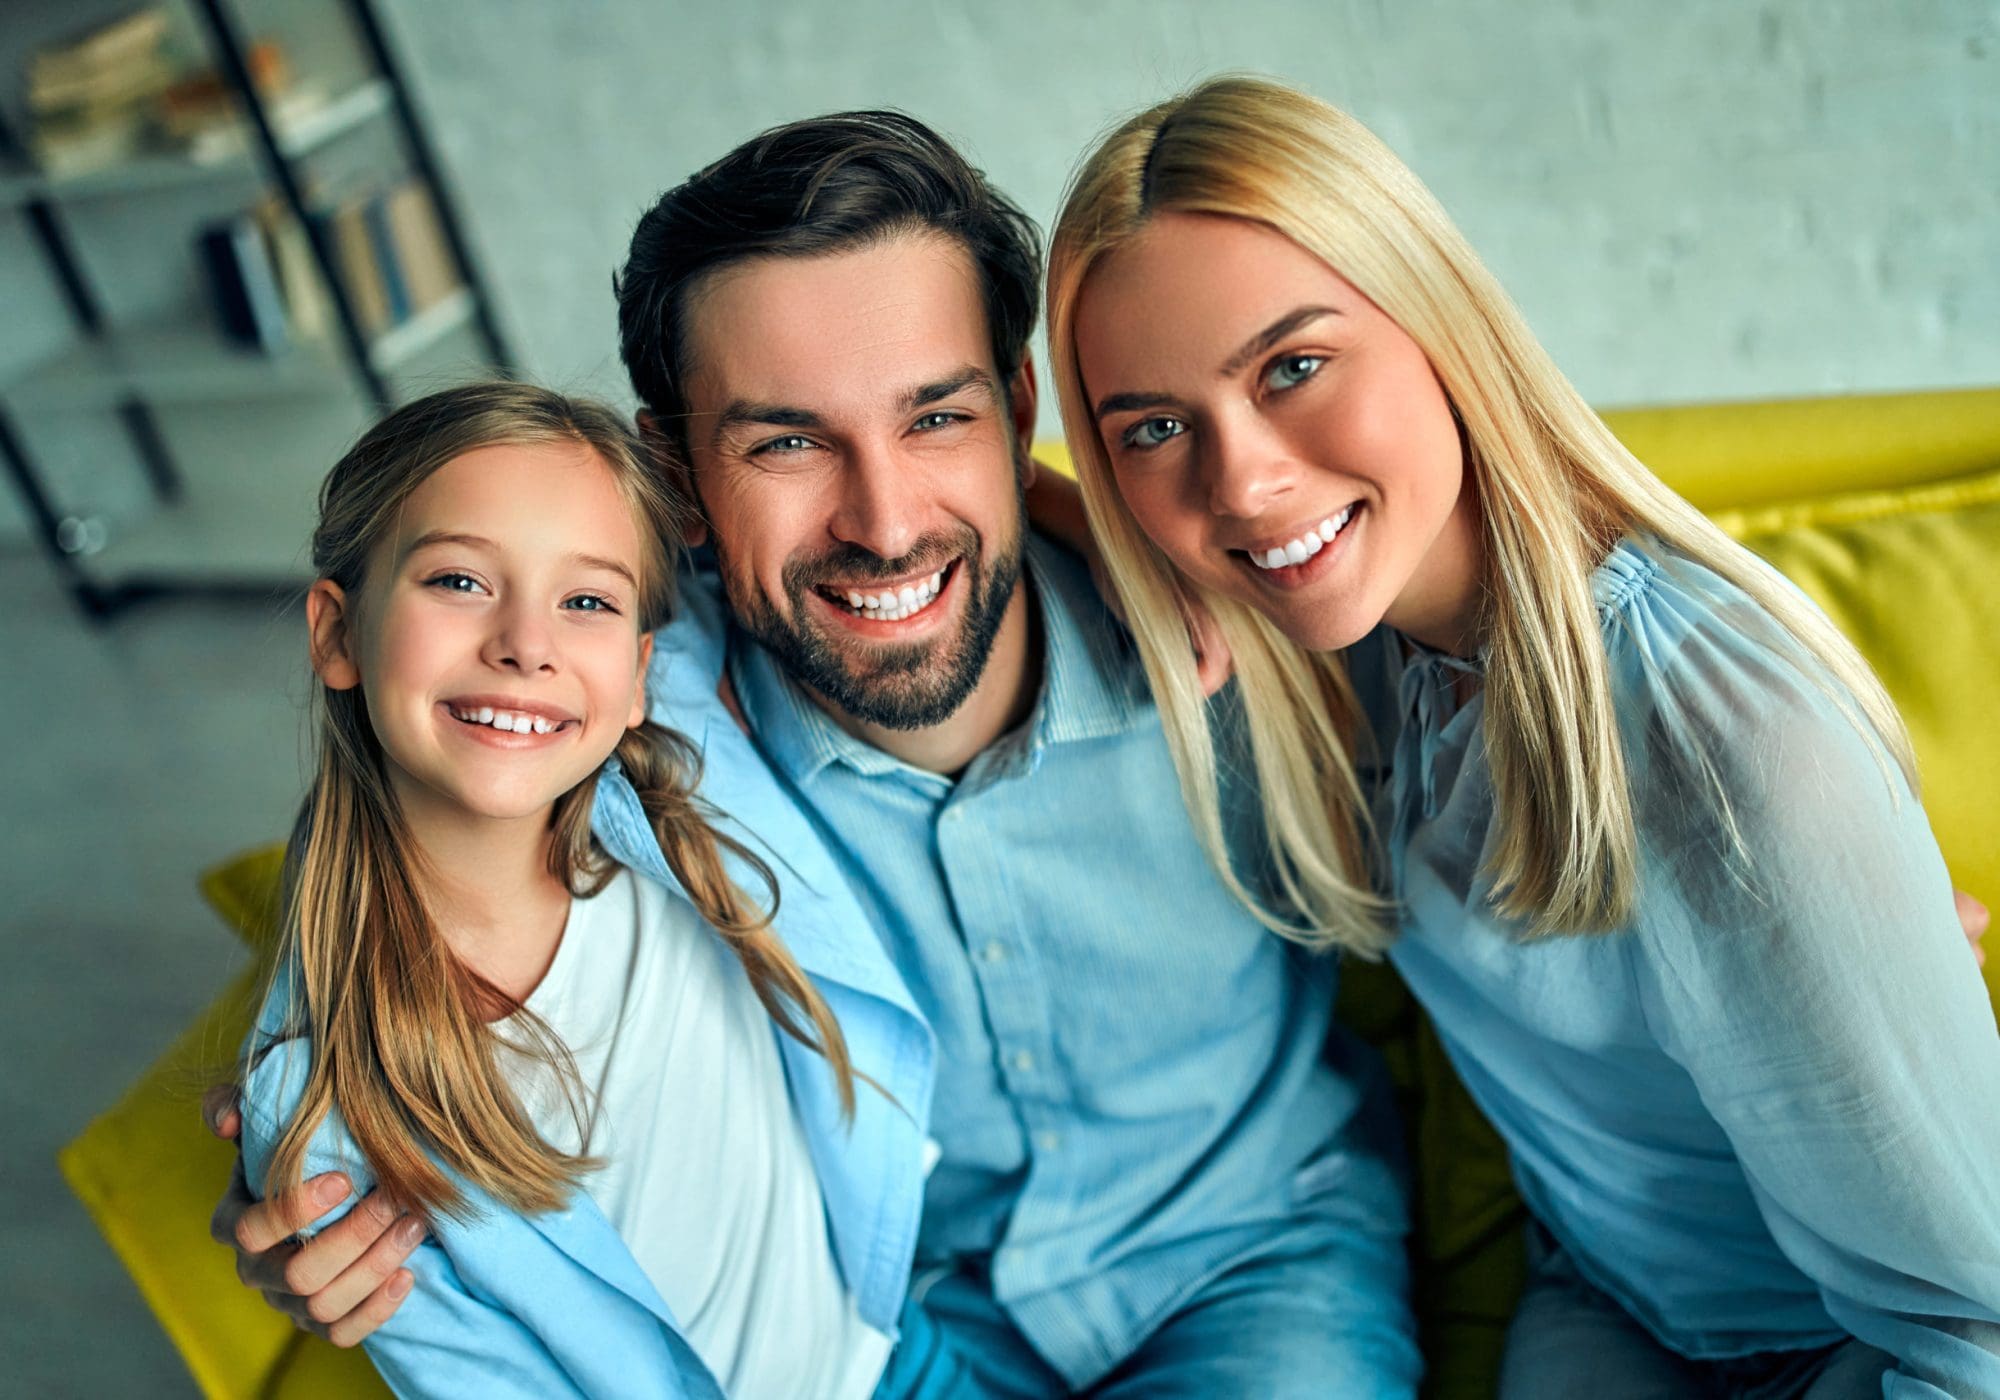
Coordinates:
[1011,975]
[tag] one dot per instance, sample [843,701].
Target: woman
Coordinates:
[1655,863]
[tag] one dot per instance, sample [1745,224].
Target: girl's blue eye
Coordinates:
[590,602]
[456,583]
[1152,432]
[1290,371]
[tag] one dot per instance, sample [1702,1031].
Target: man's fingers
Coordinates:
[229,1210]
[331,1305]
[219,1111]
[343,1248]
[269,1222]
[353,1328]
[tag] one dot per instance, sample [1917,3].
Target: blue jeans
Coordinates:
[1569,1338]
[1290,1322]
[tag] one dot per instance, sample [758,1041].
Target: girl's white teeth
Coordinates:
[507,722]
[1305,546]
[897,604]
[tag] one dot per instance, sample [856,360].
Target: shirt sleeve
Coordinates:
[1798,952]
[443,1342]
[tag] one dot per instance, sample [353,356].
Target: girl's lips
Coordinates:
[506,729]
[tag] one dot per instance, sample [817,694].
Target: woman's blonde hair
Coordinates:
[1555,490]
[406,1040]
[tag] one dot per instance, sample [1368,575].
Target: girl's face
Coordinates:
[495,636]
[1280,439]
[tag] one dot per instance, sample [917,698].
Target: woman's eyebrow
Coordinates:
[1272,334]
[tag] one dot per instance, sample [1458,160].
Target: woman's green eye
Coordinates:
[1290,371]
[1151,432]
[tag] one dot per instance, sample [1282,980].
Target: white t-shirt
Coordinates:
[708,1179]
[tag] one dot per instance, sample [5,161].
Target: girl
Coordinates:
[555,1049]
[1657,868]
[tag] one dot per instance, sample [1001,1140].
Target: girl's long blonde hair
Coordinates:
[405,1037]
[1555,490]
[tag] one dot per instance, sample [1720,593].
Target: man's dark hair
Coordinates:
[817,186]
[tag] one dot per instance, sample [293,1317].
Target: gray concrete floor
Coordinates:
[139,753]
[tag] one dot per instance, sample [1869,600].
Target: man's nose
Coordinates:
[521,641]
[881,504]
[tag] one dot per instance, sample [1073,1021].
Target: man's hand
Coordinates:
[1973,918]
[342,1284]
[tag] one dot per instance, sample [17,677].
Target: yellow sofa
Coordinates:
[1886,509]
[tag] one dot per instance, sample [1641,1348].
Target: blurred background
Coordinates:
[229,229]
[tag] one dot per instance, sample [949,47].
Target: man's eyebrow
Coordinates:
[1272,334]
[743,413]
[957,382]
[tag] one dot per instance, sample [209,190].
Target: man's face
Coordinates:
[860,469]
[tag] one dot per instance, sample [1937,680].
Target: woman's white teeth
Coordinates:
[509,722]
[1305,546]
[893,605]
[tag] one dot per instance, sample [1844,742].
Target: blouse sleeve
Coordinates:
[1799,955]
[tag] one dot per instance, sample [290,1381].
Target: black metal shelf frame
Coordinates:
[64,539]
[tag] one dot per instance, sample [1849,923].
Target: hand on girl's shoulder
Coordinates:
[272,1093]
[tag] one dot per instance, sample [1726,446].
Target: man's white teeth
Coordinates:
[1305,546]
[507,721]
[893,605]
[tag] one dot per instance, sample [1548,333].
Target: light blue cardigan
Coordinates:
[553,1305]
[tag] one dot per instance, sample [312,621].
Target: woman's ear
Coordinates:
[679,475]
[638,715]
[330,636]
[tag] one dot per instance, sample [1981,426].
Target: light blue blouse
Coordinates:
[1767,1112]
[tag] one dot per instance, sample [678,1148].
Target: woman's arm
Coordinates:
[1814,978]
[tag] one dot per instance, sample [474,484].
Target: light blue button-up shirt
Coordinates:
[1766,1114]
[1131,1093]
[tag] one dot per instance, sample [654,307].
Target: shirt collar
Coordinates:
[1092,685]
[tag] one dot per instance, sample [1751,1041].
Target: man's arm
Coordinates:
[343,1283]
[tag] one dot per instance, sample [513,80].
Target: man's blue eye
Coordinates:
[932,421]
[790,443]
[1151,432]
[1290,371]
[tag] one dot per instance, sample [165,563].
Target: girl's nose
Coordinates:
[522,643]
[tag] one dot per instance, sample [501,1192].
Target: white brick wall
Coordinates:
[1694,200]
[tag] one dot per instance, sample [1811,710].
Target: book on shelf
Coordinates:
[390,248]
[243,281]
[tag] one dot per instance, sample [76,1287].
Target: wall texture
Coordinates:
[1708,199]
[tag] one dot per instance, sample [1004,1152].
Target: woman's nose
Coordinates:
[1249,471]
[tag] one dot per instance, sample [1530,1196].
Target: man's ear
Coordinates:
[1021,408]
[638,715]
[330,636]
[679,475]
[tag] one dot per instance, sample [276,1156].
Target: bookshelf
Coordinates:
[323,277]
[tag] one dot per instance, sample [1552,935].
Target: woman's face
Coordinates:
[1279,438]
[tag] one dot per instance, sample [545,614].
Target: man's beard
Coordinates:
[911,685]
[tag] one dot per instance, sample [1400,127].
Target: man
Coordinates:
[1149,1178]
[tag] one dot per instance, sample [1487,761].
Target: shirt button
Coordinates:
[1048,1141]
[995,951]
[1023,1061]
